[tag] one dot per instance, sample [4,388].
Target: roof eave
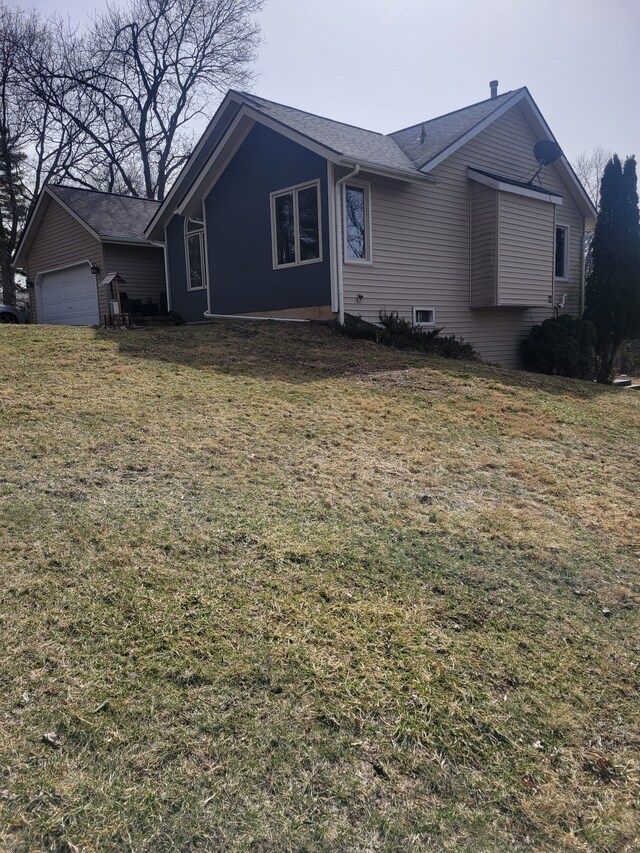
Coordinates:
[450,149]
[27,238]
[386,171]
[128,241]
[175,196]
[584,202]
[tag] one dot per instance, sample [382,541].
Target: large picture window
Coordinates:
[194,250]
[295,225]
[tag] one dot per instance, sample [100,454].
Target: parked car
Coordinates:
[14,314]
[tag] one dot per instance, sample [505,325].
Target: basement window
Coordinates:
[424,317]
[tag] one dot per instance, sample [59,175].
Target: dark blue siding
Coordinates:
[189,304]
[238,216]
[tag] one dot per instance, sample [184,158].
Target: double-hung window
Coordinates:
[194,250]
[357,223]
[296,230]
[562,251]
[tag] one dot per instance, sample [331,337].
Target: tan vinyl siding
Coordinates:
[526,239]
[60,242]
[142,268]
[484,237]
[421,244]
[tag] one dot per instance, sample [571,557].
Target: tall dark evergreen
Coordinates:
[613,283]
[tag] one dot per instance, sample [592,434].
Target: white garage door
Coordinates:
[69,297]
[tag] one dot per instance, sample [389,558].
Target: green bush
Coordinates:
[562,346]
[394,331]
[628,358]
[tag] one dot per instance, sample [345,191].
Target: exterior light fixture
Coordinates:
[95,269]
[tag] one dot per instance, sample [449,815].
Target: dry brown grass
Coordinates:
[279,590]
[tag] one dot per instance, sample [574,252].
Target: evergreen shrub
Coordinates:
[562,346]
[394,331]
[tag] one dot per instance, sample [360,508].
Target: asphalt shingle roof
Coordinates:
[441,132]
[112,217]
[352,143]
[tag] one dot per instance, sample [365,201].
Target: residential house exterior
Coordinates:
[451,222]
[74,239]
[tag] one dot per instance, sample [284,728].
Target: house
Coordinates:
[74,240]
[451,222]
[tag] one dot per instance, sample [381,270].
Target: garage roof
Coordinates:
[108,217]
[111,217]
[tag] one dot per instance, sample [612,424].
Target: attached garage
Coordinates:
[68,297]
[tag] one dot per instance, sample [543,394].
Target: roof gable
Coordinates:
[409,154]
[423,142]
[345,140]
[107,217]
[110,217]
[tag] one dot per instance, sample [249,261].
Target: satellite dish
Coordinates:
[547,152]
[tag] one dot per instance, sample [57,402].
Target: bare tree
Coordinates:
[37,142]
[14,136]
[589,167]
[138,78]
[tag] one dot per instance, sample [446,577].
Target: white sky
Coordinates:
[386,64]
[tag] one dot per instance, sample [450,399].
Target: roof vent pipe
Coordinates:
[493,85]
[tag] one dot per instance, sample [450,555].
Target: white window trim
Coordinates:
[364,185]
[567,241]
[296,225]
[417,308]
[187,234]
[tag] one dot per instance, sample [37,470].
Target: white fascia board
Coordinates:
[294,135]
[216,163]
[585,202]
[130,241]
[169,200]
[75,215]
[387,172]
[470,134]
[505,187]
[205,181]
[27,239]
[587,206]
[34,221]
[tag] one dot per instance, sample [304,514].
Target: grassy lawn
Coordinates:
[278,590]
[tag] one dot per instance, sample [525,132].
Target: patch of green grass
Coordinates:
[276,590]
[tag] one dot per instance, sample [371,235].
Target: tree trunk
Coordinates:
[7,277]
[607,361]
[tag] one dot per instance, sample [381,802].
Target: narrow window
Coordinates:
[194,238]
[424,316]
[295,225]
[562,251]
[357,237]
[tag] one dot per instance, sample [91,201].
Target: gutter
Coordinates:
[389,172]
[339,248]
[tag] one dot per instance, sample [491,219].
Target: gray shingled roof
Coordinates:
[441,132]
[112,217]
[352,143]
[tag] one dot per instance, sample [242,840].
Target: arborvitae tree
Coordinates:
[612,292]
[632,251]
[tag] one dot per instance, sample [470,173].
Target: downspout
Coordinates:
[339,245]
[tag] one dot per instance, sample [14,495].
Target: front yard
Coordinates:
[277,590]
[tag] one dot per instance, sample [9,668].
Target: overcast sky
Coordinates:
[387,64]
